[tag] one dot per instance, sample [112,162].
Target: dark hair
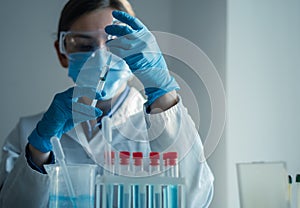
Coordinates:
[76,8]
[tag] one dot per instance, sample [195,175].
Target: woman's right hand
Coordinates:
[138,47]
[63,114]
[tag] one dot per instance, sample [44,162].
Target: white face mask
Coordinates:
[85,69]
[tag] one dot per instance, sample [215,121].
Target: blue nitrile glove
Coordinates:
[138,47]
[63,114]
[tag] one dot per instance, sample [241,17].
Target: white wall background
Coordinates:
[204,23]
[261,60]
[263,71]
[30,71]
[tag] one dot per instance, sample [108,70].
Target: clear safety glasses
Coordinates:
[75,42]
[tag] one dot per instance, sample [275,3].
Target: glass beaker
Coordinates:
[83,181]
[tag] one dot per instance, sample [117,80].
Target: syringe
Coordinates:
[105,69]
[103,75]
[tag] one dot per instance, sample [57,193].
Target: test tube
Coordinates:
[124,170]
[109,158]
[154,163]
[109,168]
[114,191]
[164,187]
[153,191]
[138,190]
[124,163]
[174,173]
[138,164]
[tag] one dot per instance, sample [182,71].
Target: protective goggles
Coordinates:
[75,41]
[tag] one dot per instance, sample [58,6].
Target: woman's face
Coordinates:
[93,21]
[85,55]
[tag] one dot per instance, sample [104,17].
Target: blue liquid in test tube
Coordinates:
[170,192]
[164,188]
[124,170]
[126,202]
[165,198]
[142,197]
[117,196]
[139,196]
[109,195]
[134,196]
[174,173]
[157,200]
[153,191]
[150,196]
[153,197]
[173,199]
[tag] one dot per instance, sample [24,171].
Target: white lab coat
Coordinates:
[172,130]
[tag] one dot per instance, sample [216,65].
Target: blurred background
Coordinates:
[254,45]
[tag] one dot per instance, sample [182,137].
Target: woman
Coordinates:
[158,124]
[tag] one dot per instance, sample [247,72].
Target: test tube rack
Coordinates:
[139,192]
[133,187]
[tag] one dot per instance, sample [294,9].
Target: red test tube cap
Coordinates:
[124,154]
[137,156]
[154,155]
[124,157]
[154,158]
[166,156]
[172,158]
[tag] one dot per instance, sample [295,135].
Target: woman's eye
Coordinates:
[81,43]
[87,47]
